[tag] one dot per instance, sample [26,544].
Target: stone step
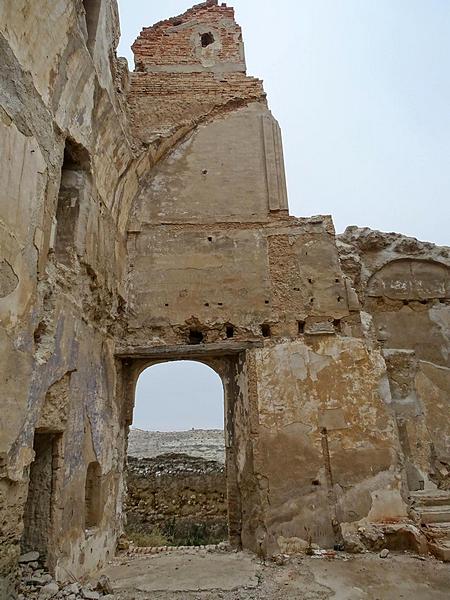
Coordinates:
[433,514]
[432,508]
[438,536]
[440,549]
[441,527]
[430,498]
[437,531]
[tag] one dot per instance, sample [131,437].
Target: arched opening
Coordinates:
[73,190]
[92,13]
[176,478]
[40,505]
[93,496]
[206,39]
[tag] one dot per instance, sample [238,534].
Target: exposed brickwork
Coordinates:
[161,103]
[178,82]
[173,42]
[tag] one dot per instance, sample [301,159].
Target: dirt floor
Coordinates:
[202,575]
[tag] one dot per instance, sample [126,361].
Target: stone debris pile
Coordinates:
[37,583]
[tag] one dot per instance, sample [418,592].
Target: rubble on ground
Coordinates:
[37,583]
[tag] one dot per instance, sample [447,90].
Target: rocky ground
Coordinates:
[36,583]
[208,444]
[203,575]
[215,573]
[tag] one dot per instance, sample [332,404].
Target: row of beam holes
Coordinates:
[198,337]
[339,299]
[311,281]
[207,304]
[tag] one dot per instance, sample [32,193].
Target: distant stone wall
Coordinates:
[180,496]
[208,444]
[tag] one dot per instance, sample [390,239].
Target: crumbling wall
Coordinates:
[404,288]
[63,135]
[144,218]
[216,262]
[188,69]
[182,497]
[327,452]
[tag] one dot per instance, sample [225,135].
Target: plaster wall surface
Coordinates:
[324,419]
[60,92]
[403,286]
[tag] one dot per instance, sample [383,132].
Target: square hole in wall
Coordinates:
[196,336]
[265,330]
[206,39]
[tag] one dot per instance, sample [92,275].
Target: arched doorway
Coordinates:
[240,418]
[176,475]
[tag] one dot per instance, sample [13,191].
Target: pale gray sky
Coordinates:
[180,395]
[361,89]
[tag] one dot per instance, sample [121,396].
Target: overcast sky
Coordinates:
[361,89]
[177,396]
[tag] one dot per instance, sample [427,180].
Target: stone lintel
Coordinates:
[188,350]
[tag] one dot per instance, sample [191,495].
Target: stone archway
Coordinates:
[231,368]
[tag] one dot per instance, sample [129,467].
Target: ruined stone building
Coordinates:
[144,218]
